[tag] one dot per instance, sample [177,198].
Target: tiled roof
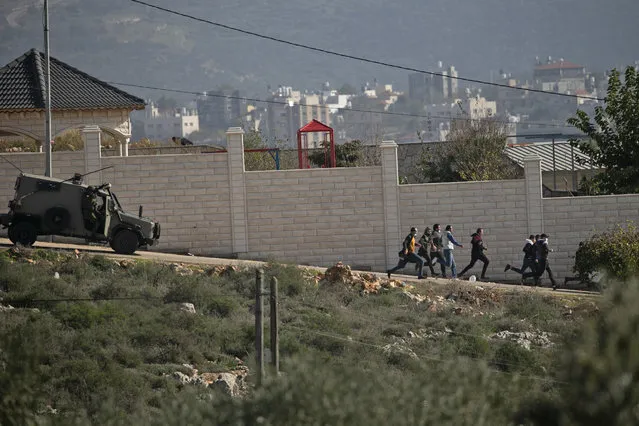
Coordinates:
[563,155]
[22,87]
[558,65]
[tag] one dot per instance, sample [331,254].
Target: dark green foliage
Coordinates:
[615,253]
[20,395]
[600,369]
[314,393]
[611,139]
[474,151]
[347,358]
[347,154]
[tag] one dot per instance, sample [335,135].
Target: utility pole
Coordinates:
[275,339]
[554,166]
[47,110]
[259,324]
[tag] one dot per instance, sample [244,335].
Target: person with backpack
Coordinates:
[477,253]
[424,249]
[541,252]
[407,254]
[529,257]
[449,243]
[436,249]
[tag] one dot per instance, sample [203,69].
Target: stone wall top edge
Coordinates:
[590,197]
[475,182]
[320,170]
[133,157]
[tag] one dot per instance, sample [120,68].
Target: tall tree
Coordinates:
[612,136]
[474,151]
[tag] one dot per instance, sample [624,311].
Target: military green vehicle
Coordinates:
[49,206]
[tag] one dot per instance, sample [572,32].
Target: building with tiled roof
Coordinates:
[560,76]
[559,65]
[77,100]
[562,165]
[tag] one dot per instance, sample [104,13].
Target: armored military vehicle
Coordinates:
[49,206]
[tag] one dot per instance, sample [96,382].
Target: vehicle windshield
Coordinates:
[115,200]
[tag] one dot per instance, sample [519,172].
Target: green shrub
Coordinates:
[102,263]
[315,393]
[221,306]
[616,253]
[511,357]
[86,315]
[21,393]
[599,372]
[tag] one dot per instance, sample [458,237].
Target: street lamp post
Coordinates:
[47,102]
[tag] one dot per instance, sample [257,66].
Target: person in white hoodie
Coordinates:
[449,244]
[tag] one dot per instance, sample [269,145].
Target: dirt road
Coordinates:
[201,260]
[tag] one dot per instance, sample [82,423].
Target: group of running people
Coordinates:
[435,246]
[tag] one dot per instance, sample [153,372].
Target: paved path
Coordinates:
[201,260]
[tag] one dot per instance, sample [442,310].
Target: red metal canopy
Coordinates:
[315,126]
[328,145]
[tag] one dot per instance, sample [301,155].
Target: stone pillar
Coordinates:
[237,188]
[120,147]
[534,194]
[126,147]
[390,191]
[92,137]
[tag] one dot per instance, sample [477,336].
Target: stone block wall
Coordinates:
[187,194]
[209,204]
[496,206]
[570,220]
[316,217]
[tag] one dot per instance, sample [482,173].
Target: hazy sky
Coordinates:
[477,36]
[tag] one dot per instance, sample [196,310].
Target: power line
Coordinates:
[428,356]
[382,320]
[358,58]
[25,301]
[402,114]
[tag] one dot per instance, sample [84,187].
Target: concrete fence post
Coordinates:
[92,138]
[390,191]
[534,194]
[237,187]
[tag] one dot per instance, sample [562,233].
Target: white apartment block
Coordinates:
[162,127]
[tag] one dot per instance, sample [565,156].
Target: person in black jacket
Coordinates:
[529,257]
[477,253]
[542,251]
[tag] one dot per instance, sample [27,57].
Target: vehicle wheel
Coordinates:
[24,233]
[125,242]
[56,219]
[11,236]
